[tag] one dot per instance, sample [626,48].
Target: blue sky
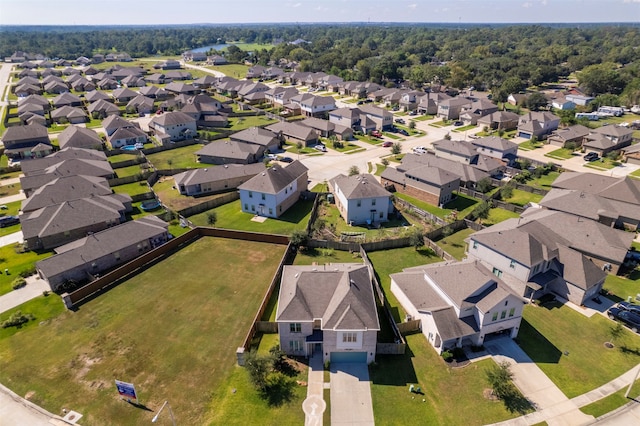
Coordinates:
[93,12]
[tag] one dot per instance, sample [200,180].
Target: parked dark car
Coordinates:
[629,319]
[458,123]
[387,144]
[8,221]
[403,132]
[592,156]
[286,159]
[627,306]
[399,120]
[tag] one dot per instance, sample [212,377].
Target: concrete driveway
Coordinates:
[351,395]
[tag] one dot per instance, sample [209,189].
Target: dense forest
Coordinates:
[501,58]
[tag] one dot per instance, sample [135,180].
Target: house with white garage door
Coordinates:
[458,304]
[328,310]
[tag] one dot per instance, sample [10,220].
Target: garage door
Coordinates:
[524,135]
[348,357]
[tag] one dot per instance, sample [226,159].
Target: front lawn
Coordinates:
[231,216]
[423,117]
[450,394]
[611,402]
[43,308]
[12,210]
[16,262]
[172,330]
[569,347]
[178,158]
[622,287]
[521,198]
[465,128]
[560,154]
[528,145]
[602,164]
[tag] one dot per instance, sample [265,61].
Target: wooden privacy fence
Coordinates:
[409,326]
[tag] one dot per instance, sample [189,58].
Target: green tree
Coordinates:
[536,101]
[416,237]
[615,332]
[412,125]
[601,78]
[396,148]
[484,185]
[298,237]
[482,211]
[354,170]
[212,218]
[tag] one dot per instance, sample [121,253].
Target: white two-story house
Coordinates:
[361,199]
[458,304]
[273,191]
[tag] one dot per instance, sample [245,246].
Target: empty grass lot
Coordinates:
[449,394]
[180,158]
[549,331]
[172,330]
[231,216]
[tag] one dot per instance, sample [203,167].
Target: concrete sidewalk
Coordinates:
[10,239]
[314,405]
[34,288]
[15,410]
[351,395]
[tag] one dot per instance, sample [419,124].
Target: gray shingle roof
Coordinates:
[255,135]
[341,295]
[217,173]
[462,148]
[275,178]
[495,143]
[100,244]
[359,186]
[622,189]
[174,118]
[65,189]
[15,134]
[39,164]
[229,149]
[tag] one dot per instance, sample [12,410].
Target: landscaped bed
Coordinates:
[172,331]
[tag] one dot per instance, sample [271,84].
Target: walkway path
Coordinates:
[351,395]
[314,405]
[34,288]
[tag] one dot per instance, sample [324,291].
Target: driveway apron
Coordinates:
[351,395]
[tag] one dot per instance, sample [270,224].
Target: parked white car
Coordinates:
[320,147]
[419,150]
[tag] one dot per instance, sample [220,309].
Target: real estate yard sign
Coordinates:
[126,390]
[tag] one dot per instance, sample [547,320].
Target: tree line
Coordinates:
[501,58]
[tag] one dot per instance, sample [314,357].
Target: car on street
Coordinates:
[8,221]
[320,147]
[399,120]
[403,132]
[628,318]
[387,144]
[627,306]
[592,156]
[458,123]
[286,159]
[419,150]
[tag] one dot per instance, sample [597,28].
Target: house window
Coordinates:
[285,190]
[503,314]
[349,337]
[295,345]
[381,215]
[295,327]
[246,206]
[280,209]
[494,317]
[512,265]
[250,194]
[359,203]
[253,208]
[497,272]
[270,210]
[475,244]
[512,311]
[373,202]
[263,196]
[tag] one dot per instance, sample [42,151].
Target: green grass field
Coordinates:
[231,216]
[497,215]
[180,158]
[172,330]
[520,197]
[544,181]
[450,395]
[12,210]
[611,402]
[463,204]
[240,123]
[623,287]
[454,244]
[134,188]
[560,154]
[549,331]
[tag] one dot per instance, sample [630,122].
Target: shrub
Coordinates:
[458,352]
[17,319]
[28,272]
[18,283]
[447,355]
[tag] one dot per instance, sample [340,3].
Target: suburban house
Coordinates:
[580,99]
[140,104]
[68,114]
[96,95]
[458,304]
[258,136]
[469,174]
[547,251]
[608,138]
[280,96]
[79,137]
[211,180]
[382,118]
[102,108]
[194,56]
[295,132]
[59,224]
[99,252]
[230,152]
[169,64]
[67,167]
[114,122]
[516,99]
[328,310]
[178,88]
[20,140]
[313,106]
[538,124]
[174,126]
[323,128]
[471,113]
[216,60]
[37,166]
[361,199]
[365,118]
[500,120]
[66,188]
[127,136]
[460,151]
[273,191]
[430,184]
[497,147]
[449,109]
[569,135]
